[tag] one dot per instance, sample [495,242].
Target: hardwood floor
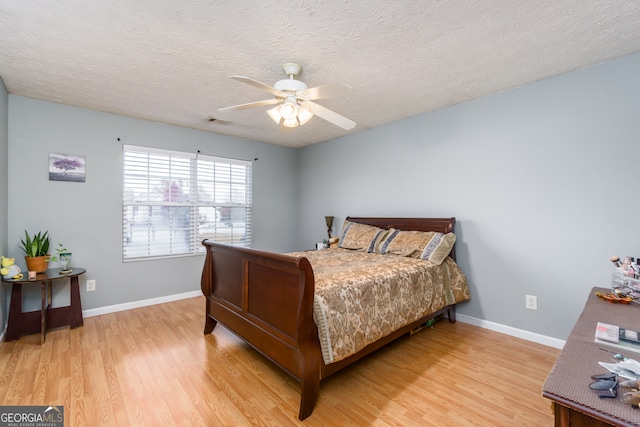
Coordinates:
[153,366]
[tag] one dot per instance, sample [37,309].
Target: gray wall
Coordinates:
[86,217]
[4,185]
[542,179]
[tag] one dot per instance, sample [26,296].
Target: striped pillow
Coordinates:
[438,248]
[427,245]
[361,237]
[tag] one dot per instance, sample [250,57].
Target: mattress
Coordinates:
[361,297]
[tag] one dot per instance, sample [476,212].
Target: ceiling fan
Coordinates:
[296,100]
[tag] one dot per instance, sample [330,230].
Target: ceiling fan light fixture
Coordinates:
[289,110]
[290,123]
[274,113]
[295,99]
[304,115]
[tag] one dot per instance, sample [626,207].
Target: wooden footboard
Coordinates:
[267,300]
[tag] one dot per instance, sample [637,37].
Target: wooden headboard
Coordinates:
[441,225]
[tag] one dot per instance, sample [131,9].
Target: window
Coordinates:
[171,201]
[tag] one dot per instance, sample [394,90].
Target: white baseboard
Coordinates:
[137,304]
[485,324]
[514,332]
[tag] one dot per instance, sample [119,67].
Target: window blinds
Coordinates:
[174,200]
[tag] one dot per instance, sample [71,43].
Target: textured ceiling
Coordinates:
[170,60]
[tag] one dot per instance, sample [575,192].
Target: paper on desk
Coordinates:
[628,368]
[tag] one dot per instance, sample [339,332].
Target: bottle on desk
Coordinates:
[627,266]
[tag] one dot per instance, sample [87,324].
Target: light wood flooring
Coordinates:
[153,366]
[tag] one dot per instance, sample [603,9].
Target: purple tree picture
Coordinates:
[67,164]
[65,167]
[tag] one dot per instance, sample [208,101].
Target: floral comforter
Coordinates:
[362,297]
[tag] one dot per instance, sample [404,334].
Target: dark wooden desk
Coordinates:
[47,317]
[574,403]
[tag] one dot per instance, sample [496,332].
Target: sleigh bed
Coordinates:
[313,313]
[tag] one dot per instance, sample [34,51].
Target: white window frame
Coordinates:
[172,200]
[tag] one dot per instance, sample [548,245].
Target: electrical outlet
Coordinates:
[91,285]
[531,302]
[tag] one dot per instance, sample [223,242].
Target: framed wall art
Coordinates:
[66,167]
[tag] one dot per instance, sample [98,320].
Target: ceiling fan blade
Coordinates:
[257,84]
[251,105]
[330,116]
[328,91]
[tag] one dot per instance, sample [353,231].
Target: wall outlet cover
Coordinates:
[531,302]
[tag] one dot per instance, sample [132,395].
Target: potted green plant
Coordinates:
[36,251]
[64,256]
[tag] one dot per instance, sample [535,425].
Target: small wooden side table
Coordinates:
[47,317]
